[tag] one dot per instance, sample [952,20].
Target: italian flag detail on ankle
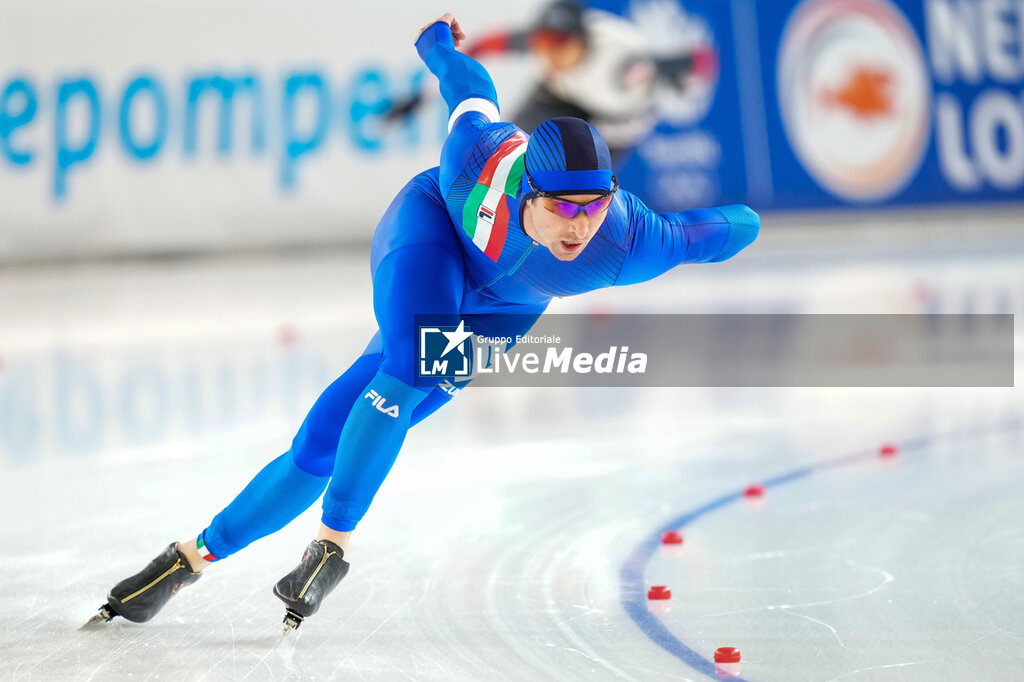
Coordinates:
[205,553]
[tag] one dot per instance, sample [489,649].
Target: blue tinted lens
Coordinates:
[568,210]
[598,205]
[563,209]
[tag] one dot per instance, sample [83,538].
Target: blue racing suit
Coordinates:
[452,245]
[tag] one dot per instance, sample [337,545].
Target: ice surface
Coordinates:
[518,528]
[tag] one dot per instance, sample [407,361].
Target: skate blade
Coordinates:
[286,644]
[104,615]
[292,622]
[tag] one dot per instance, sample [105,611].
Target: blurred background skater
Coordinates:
[595,65]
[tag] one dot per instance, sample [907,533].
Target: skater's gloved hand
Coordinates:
[457,33]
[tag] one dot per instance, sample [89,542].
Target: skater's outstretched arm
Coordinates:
[466,86]
[660,241]
[467,89]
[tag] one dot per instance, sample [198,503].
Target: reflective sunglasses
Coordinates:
[570,209]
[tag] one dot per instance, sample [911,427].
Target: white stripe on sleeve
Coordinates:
[484,106]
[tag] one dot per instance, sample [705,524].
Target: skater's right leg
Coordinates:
[276,495]
[282,490]
[294,481]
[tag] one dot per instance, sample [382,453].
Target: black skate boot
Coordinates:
[141,596]
[303,590]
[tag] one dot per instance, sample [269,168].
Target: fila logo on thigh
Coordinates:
[378,402]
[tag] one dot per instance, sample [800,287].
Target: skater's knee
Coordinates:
[313,455]
[315,461]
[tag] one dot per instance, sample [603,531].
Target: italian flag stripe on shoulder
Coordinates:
[485,215]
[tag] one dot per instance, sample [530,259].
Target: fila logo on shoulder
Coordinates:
[378,402]
[486,214]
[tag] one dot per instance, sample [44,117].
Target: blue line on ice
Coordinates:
[631,576]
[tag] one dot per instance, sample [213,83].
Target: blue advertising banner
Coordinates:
[845,103]
[277,133]
[695,154]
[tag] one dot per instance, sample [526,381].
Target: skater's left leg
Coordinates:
[411,280]
[418,267]
[436,399]
[323,564]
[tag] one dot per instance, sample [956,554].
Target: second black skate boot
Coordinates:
[303,590]
[141,596]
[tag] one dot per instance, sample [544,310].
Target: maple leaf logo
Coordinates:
[866,94]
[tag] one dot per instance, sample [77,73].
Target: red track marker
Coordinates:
[727,654]
[756,490]
[888,450]
[672,537]
[659,592]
